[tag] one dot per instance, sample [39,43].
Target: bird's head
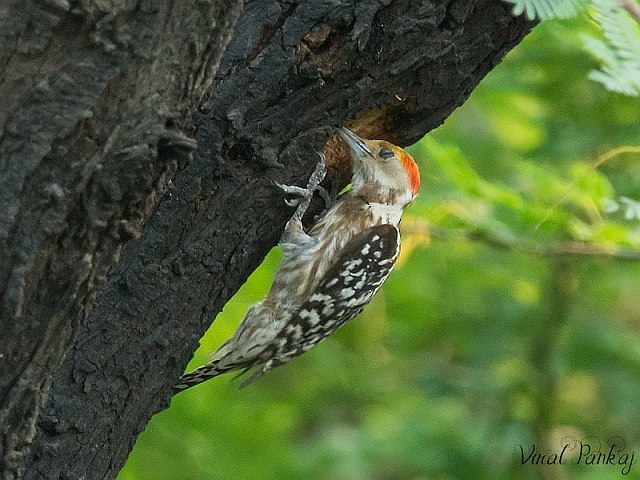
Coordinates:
[383,165]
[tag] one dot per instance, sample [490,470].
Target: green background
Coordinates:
[512,318]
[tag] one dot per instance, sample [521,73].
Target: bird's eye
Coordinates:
[385,153]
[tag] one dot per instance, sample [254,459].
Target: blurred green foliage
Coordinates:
[512,320]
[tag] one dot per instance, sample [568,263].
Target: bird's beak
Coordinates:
[354,142]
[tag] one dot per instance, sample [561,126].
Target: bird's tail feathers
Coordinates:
[199,375]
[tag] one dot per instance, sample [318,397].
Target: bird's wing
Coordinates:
[358,272]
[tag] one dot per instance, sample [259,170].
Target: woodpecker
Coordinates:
[329,273]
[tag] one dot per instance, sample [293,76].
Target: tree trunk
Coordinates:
[138,144]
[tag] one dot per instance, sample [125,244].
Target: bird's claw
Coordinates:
[328,201]
[304,195]
[292,202]
[295,191]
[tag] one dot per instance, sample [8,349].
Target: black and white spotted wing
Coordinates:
[355,277]
[358,272]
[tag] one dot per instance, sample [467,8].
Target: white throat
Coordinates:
[385,213]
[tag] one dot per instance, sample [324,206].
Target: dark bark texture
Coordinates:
[138,144]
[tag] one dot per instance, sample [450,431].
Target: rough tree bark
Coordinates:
[137,152]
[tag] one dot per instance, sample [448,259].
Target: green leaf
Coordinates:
[544,9]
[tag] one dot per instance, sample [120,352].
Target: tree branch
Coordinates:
[96,343]
[632,7]
[562,249]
